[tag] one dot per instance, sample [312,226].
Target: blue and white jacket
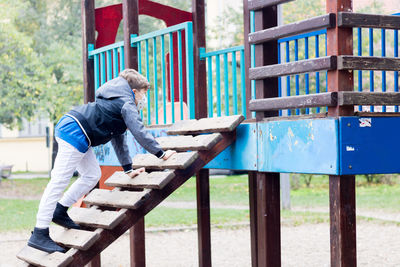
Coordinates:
[113,112]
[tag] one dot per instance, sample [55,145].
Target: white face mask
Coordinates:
[141,103]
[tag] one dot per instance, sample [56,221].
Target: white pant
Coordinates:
[67,161]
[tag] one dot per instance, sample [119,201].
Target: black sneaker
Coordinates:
[40,239]
[60,217]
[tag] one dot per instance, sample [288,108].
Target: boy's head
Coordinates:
[137,82]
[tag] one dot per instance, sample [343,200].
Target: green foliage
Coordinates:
[40,59]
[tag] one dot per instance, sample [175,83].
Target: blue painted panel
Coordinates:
[242,154]
[303,146]
[369,145]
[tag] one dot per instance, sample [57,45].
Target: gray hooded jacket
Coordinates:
[108,118]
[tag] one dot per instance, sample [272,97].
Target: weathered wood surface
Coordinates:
[368,63]
[188,142]
[79,239]
[116,199]
[316,23]
[179,160]
[206,125]
[349,19]
[259,4]
[153,180]
[369,98]
[291,68]
[292,102]
[43,259]
[96,218]
[155,197]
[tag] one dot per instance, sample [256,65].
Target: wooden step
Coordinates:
[206,125]
[188,142]
[177,161]
[79,239]
[116,199]
[43,259]
[96,218]
[153,180]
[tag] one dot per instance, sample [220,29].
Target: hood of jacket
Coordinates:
[114,88]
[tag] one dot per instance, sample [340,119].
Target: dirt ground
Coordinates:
[305,245]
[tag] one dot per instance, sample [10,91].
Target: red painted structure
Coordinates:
[108,19]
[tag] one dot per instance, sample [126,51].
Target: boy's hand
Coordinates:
[168,154]
[136,172]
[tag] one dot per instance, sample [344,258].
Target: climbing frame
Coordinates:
[112,212]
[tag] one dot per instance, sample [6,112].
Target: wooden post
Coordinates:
[247,54]
[88,37]
[253,217]
[202,177]
[268,184]
[130,12]
[341,188]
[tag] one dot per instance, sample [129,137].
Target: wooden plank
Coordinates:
[130,13]
[79,239]
[96,218]
[260,4]
[43,259]
[292,102]
[155,197]
[316,23]
[342,206]
[179,160]
[116,199]
[291,68]
[88,37]
[359,20]
[368,63]
[188,142]
[203,217]
[153,180]
[369,98]
[206,125]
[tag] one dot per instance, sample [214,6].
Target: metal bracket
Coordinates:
[90,49]
[133,36]
[202,51]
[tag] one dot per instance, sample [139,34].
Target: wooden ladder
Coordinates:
[112,213]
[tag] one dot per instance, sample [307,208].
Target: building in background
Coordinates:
[26,149]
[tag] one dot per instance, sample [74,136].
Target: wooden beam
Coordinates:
[130,13]
[292,102]
[137,244]
[260,4]
[349,19]
[339,42]
[342,205]
[316,23]
[368,63]
[247,56]
[252,178]
[203,217]
[88,37]
[341,188]
[369,98]
[291,68]
[200,73]
[155,197]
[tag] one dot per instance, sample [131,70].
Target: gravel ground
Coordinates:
[305,245]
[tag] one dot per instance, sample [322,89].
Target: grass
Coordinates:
[229,190]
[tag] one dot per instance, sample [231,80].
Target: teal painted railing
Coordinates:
[227,101]
[109,61]
[151,68]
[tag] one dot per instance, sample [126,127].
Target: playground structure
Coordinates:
[323,130]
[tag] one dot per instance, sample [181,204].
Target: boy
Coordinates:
[115,110]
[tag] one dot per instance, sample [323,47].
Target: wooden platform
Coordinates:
[177,161]
[43,259]
[207,125]
[153,180]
